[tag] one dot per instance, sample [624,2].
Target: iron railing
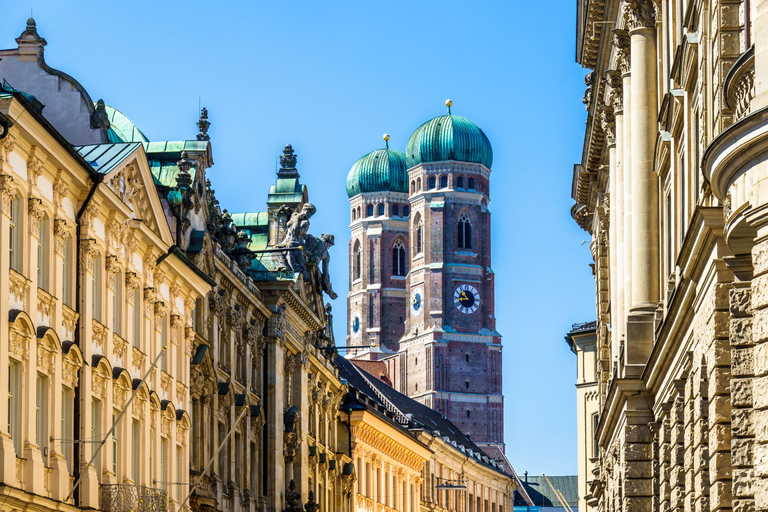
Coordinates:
[133,498]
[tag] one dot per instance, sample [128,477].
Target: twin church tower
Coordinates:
[421,295]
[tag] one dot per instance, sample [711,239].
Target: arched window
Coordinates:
[96,297]
[443,181]
[117,305]
[413,186]
[466,357]
[43,253]
[471,184]
[381,210]
[431,183]
[369,211]
[465,232]
[395,210]
[354,214]
[398,259]
[67,269]
[406,211]
[15,234]
[468,413]
[466,384]
[358,212]
[460,182]
[419,235]
[356,255]
[137,314]
[418,184]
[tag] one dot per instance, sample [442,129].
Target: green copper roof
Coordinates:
[122,129]
[379,171]
[446,138]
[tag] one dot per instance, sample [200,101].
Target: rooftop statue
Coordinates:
[316,253]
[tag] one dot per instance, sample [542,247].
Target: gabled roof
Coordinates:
[105,157]
[417,415]
[543,496]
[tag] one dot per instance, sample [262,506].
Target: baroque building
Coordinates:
[671,187]
[154,353]
[421,285]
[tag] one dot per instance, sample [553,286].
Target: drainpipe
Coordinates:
[96,178]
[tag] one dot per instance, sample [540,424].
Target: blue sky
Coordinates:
[330,78]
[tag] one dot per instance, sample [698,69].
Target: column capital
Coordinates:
[622,43]
[608,124]
[615,91]
[640,14]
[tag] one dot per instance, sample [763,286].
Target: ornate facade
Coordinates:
[421,284]
[131,284]
[671,188]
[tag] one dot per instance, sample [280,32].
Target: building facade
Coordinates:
[420,265]
[154,354]
[583,342]
[409,457]
[671,187]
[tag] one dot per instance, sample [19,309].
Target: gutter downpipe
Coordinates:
[97,179]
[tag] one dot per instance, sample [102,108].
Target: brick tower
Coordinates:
[377,187]
[450,354]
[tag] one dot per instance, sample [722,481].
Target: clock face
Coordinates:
[466,298]
[417,301]
[355,325]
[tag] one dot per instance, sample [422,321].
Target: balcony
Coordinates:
[739,87]
[133,498]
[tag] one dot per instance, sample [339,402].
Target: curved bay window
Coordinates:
[398,259]
[465,232]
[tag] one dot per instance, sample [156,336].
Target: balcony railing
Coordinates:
[133,498]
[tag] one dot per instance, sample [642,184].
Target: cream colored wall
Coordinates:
[50,184]
[587,406]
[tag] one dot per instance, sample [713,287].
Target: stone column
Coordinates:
[616,97]
[608,123]
[645,215]
[621,41]
[274,408]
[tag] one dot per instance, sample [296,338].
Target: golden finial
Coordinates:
[386,140]
[448,103]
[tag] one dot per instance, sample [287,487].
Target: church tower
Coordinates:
[377,186]
[450,354]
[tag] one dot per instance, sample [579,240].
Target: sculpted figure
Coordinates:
[316,253]
[293,238]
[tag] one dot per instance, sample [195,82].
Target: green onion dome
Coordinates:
[383,170]
[446,138]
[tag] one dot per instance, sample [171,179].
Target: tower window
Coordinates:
[466,384]
[354,214]
[471,184]
[466,357]
[398,259]
[443,181]
[419,236]
[460,182]
[431,183]
[381,209]
[468,413]
[406,211]
[356,261]
[418,184]
[369,211]
[465,232]
[395,210]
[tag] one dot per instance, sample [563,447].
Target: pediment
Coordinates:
[132,182]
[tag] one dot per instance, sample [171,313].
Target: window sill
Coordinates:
[399,278]
[464,252]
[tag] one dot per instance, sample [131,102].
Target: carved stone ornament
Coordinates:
[279,321]
[640,14]
[7,189]
[6,146]
[622,44]
[112,267]
[34,170]
[70,319]
[60,190]
[88,251]
[61,233]
[36,212]
[132,281]
[115,230]
[608,124]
